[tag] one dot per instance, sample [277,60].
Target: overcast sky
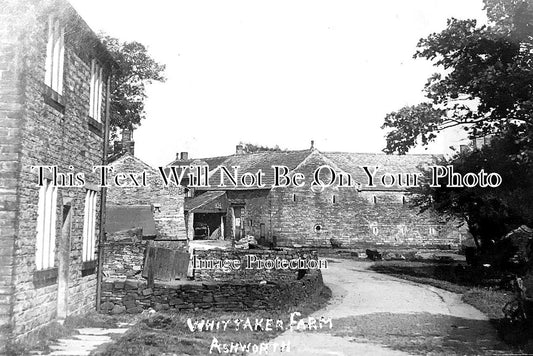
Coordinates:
[276,72]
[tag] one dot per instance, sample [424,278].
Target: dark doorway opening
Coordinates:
[209,226]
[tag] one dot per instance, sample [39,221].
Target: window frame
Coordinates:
[89,226]
[96,91]
[46,226]
[55,55]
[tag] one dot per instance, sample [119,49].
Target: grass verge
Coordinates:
[168,333]
[481,292]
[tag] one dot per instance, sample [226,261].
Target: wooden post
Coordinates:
[103,198]
[150,266]
[231,225]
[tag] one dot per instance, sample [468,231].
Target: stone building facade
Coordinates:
[139,216]
[54,74]
[372,216]
[166,203]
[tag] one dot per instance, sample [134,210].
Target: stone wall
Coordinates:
[133,296]
[124,254]
[42,131]
[253,274]
[356,219]
[10,132]
[168,201]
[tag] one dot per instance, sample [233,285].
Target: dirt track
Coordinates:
[376,314]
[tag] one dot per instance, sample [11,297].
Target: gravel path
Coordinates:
[376,314]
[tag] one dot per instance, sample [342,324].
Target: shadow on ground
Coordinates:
[422,333]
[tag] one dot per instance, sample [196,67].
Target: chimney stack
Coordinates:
[312,144]
[182,156]
[239,150]
[128,145]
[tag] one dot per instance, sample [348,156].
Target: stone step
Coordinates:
[102,331]
[83,343]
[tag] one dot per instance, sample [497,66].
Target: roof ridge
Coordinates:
[384,154]
[125,155]
[240,155]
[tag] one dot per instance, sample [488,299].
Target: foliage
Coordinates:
[485,82]
[254,148]
[489,212]
[136,70]
[485,85]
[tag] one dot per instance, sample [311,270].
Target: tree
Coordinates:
[485,84]
[489,212]
[254,148]
[136,70]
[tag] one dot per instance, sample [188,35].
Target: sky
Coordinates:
[277,72]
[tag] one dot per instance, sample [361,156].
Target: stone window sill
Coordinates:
[88,268]
[54,99]
[45,277]
[95,126]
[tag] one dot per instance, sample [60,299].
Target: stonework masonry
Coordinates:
[167,202]
[124,255]
[370,214]
[250,275]
[357,219]
[133,296]
[36,129]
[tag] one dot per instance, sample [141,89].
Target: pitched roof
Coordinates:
[202,200]
[394,164]
[250,162]
[119,158]
[343,161]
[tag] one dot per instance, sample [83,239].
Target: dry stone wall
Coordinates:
[134,296]
[255,257]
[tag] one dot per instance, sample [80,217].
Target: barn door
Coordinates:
[165,264]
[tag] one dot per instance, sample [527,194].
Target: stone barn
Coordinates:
[374,215]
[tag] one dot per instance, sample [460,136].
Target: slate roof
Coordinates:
[344,161]
[201,200]
[352,162]
[250,162]
[128,217]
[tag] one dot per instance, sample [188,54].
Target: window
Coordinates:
[317,228]
[46,226]
[95,99]
[433,231]
[89,227]
[334,199]
[55,54]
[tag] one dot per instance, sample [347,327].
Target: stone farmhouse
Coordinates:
[54,98]
[299,216]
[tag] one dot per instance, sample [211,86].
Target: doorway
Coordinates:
[64,259]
